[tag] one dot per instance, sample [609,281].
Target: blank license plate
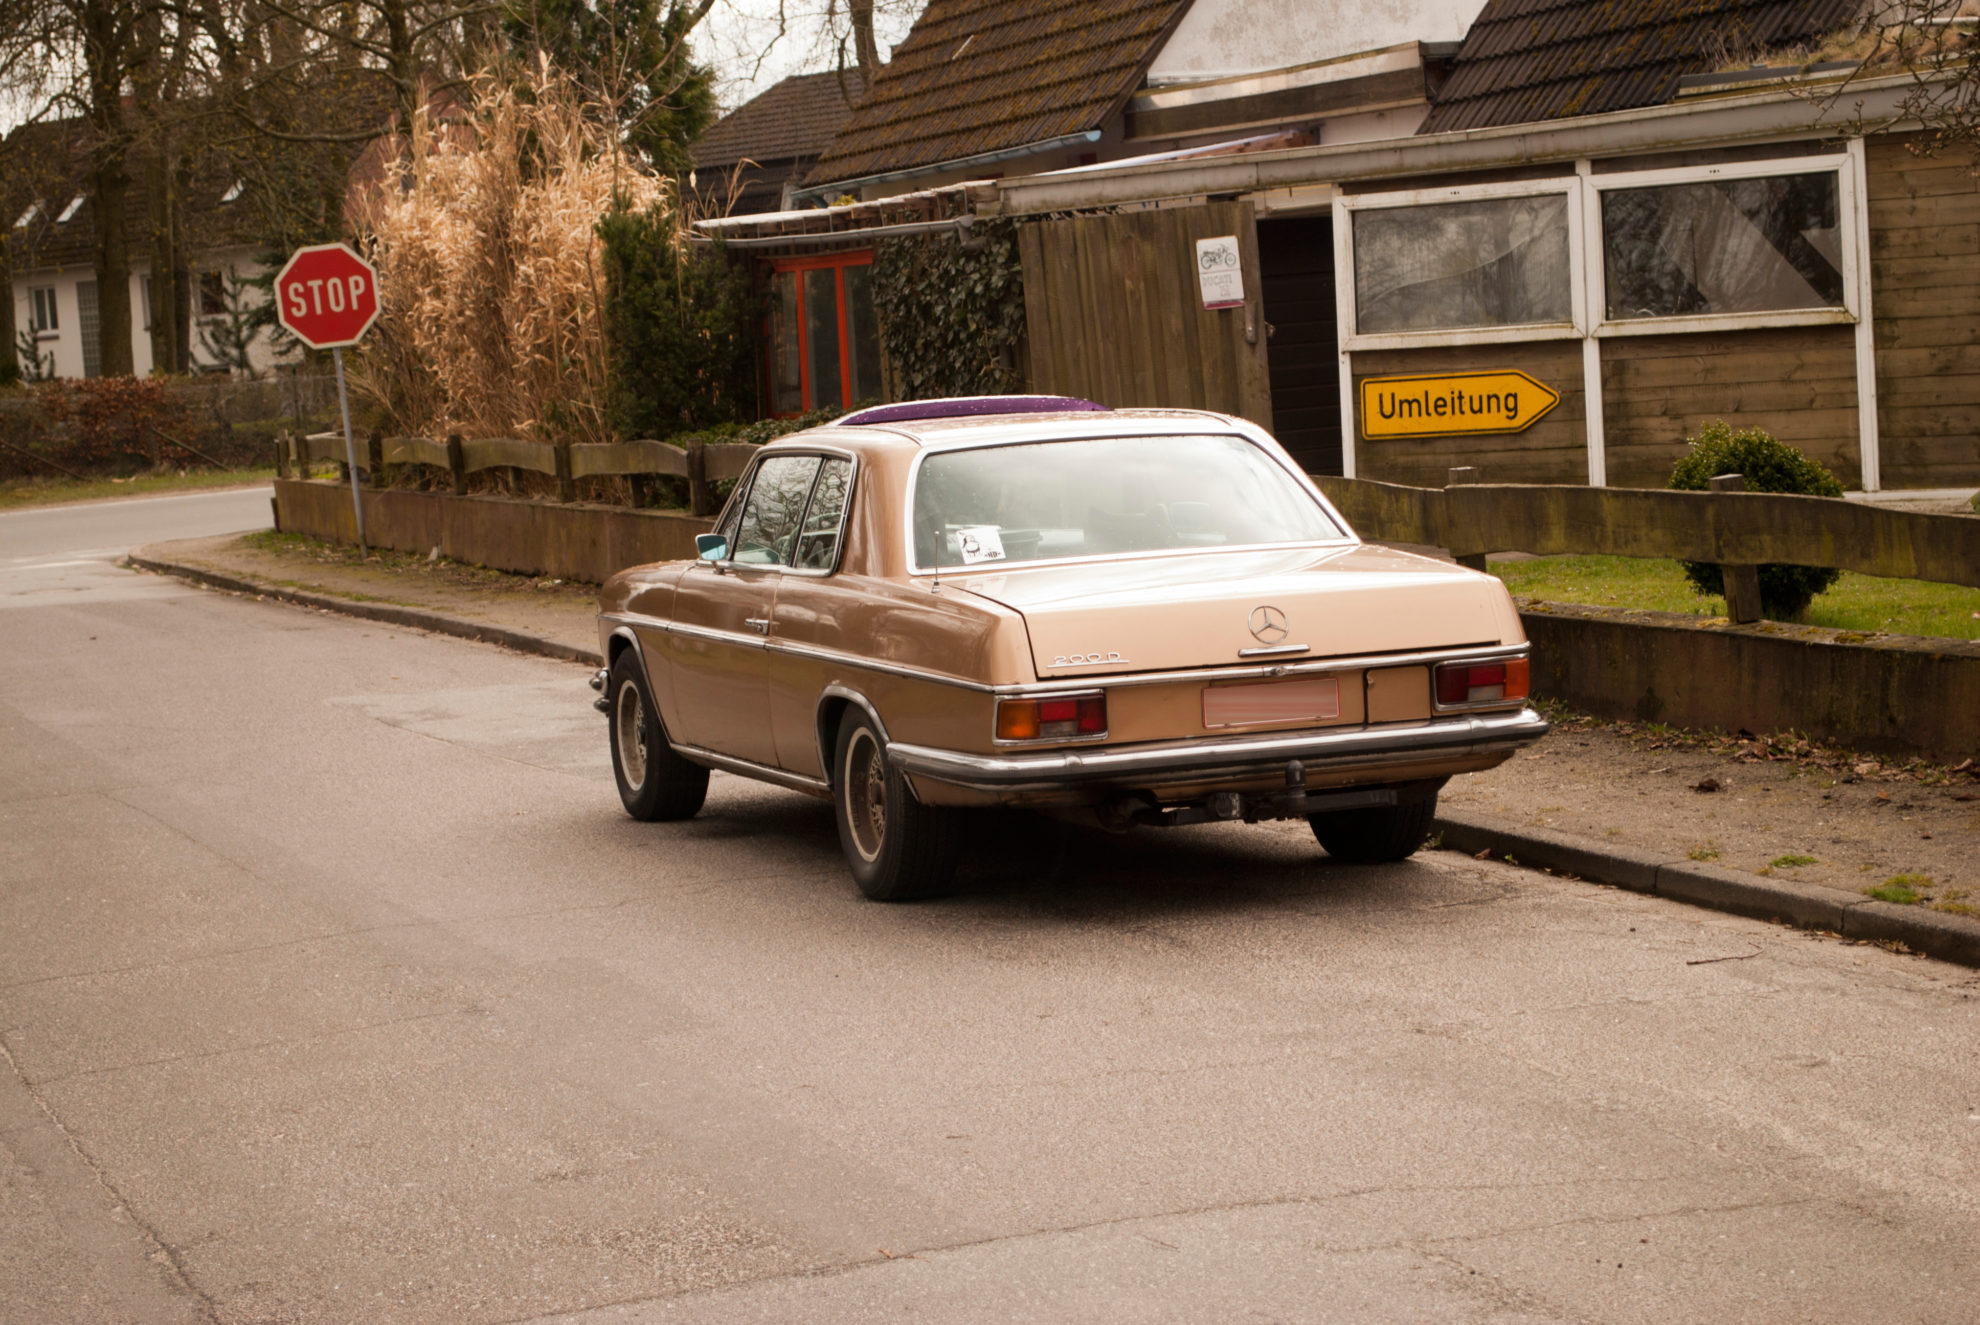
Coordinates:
[1307,699]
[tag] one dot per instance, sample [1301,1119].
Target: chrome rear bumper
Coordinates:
[1225,757]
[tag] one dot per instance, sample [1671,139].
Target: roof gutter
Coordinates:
[849,238]
[1845,106]
[964,163]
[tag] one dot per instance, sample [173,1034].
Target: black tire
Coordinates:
[1377,836]
[898,848]
[655,783]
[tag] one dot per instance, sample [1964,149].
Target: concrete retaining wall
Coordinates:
[1911,696]
[573,541]
[1897,694]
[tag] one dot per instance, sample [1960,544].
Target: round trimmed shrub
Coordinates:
[1769,465]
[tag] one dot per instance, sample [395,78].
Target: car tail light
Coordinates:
[1056,718]
[1483,683]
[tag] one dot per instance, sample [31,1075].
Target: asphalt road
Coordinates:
[334,985]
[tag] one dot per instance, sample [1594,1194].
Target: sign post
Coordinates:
[327,298]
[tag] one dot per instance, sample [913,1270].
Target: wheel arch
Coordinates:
[834,702]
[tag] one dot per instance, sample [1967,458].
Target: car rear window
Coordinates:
[1044,501]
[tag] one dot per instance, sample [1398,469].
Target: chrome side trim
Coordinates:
[745,768]
[1189,760]
[799,651]
[1235,672]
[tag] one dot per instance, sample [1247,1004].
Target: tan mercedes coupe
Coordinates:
[1135,616]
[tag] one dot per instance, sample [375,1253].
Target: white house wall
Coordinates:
[1219,38]
[66,344]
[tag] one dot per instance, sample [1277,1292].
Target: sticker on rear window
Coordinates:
[980,542]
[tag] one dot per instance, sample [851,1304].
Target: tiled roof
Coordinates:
[1526,60]
[794,118]
[977,76]
[48,163]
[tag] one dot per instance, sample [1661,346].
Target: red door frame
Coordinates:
[838,262]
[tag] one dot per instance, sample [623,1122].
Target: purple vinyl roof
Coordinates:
[963,407]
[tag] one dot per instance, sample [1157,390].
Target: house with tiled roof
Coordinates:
[993,88]
[752,158]
[46,204]
[1612,224]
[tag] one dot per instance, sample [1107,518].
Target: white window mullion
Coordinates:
[1856,286]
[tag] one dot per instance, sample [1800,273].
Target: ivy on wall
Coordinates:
[952,311]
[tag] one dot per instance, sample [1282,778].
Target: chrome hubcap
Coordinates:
[630,717]
[866,794]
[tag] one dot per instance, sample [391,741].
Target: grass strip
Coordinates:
[23,492]
[1864,603]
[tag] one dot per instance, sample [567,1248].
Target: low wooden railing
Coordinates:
[1727,527]
[700,464]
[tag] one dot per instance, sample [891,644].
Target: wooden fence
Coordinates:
[1730,528]
[699,464]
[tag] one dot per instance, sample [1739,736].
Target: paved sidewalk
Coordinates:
[1773,828]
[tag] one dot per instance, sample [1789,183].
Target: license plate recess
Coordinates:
[1256,703]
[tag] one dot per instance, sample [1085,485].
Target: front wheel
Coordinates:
[898,848]
[1376,836]
[655,783]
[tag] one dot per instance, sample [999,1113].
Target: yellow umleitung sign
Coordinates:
[1445,403]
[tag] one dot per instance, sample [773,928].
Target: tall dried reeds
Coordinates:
[490,288]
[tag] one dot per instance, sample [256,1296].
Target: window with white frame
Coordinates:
[42,317]
[1493,262]
[1737,244]
[1765,243]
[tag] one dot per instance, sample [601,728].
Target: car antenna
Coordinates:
[940,537]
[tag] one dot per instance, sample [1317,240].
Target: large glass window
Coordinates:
[1752,245]
[1493,262]
[1048,500]
[821,336]
[786,344]
[824,334]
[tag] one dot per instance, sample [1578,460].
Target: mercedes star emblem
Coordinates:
[1268,625]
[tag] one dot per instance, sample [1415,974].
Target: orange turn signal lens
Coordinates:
[1057,718]
[1017,719]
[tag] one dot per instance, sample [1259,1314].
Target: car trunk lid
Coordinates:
[1208,610]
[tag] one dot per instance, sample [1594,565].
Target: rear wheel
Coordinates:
[898,848]
[654,782]
[1376,836]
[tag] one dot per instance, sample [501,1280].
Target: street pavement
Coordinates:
[334,985]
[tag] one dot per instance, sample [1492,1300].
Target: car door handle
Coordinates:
[759,624]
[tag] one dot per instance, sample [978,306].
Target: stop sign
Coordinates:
[327,296]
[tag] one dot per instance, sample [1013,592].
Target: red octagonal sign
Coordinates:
[327,296]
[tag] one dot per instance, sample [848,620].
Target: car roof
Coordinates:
[936,434]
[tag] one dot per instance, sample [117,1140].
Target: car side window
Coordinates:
[824,521]
[768,533]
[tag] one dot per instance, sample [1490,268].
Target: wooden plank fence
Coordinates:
[1730,528]
[699,464]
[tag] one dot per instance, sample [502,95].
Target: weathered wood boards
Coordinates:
[1740,528]
[1925,267]
[722,460]
[1114,312]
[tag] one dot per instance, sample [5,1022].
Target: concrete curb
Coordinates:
[412,617]
[1950,938]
